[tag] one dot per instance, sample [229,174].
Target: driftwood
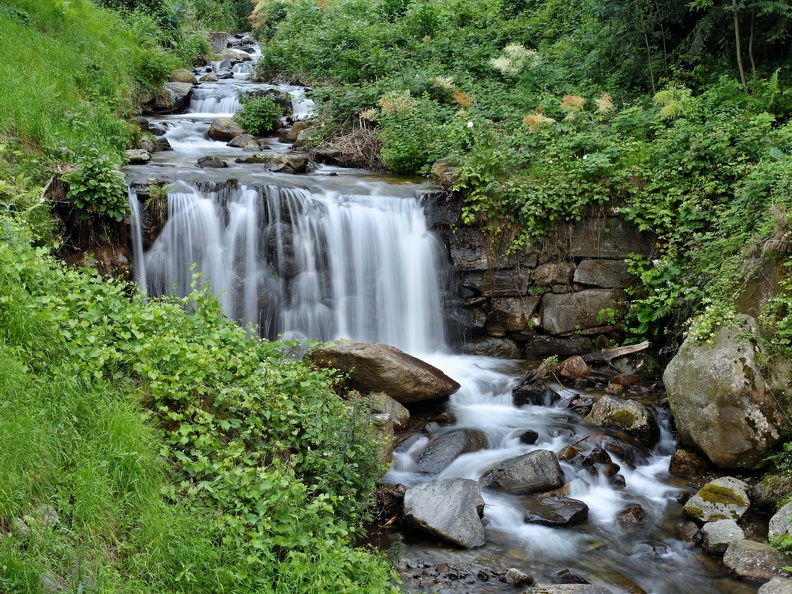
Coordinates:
[607,355]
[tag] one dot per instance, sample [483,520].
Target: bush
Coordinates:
[97,185]
[259,115]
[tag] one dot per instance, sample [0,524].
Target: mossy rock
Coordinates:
[725,498]
[628,416]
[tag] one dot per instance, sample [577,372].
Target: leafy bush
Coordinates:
[98,185]
[259,115]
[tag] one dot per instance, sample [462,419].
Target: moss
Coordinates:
[624,418]
[694,511]
[722,495]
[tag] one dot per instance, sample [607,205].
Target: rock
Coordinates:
[137,156]
[716,536]
[770,491]
[573,368]
[509,314]
[385,404]
[282,162]
[567,589]
[531,473]
[183,76]
[631,514]
[554,273]
[464,322]
[211,163]
[225,129]
[245,140]
[441,452]
[755,560]
[608,274]
[500,348]
[722,499]
[778,585]
[219,42]
[515,577]
[147,144]
[759,281]
[780,523]
[497,283]
[381,368]
[609,237]
[690,532]
[384,427]
[163,144]
[441,208]
[208,78]
[541,346]
[140,122]
[443,171]
[570,312]
[50,584]
[529,437]
[449,509]
[687,464]
[557,511]
[180,94]
[631,417]
[294,131]
[158,128]
[726,404]
[643,365]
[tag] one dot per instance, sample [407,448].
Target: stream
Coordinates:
[344,253]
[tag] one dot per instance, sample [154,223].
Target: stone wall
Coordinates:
[550,299]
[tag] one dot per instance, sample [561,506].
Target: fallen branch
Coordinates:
[607,355]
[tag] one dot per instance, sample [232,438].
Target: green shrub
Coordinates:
[97,185]
[259,115]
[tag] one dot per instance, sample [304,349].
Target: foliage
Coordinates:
[180,453]
[259,115]
[97,185]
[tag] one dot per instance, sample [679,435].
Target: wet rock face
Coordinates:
[450,510]
[374,367]
[441,452]
[755,560]
[534,472]
[722,499]
[724,403]
[629,416]
[501,348]
[225,129]
[568,312]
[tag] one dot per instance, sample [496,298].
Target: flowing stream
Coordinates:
[347,254]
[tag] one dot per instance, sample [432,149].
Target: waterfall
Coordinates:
[297,264]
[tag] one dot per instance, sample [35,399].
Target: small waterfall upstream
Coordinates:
[350,256]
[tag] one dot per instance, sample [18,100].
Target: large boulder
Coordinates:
[780,523]
[729,400]
[441,452]
[183,76]
[225,129]
[755,560]
[180,94]
[722,499]
[374,367]
[569,312]
[530,473]
[499,348]
[450,510]
[627,415]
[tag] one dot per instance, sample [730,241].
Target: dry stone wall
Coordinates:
[551,299]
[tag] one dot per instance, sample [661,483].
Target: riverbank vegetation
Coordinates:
[673,116]
[148,445]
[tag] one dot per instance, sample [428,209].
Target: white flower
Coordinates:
[585,157]
[470,124]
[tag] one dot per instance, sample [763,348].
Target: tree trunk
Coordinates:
[739,45]
[750,44]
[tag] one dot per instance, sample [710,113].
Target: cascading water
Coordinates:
[347,257]
[305,265]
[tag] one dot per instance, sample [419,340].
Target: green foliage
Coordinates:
[97,185]
[259,115]
[181,453]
